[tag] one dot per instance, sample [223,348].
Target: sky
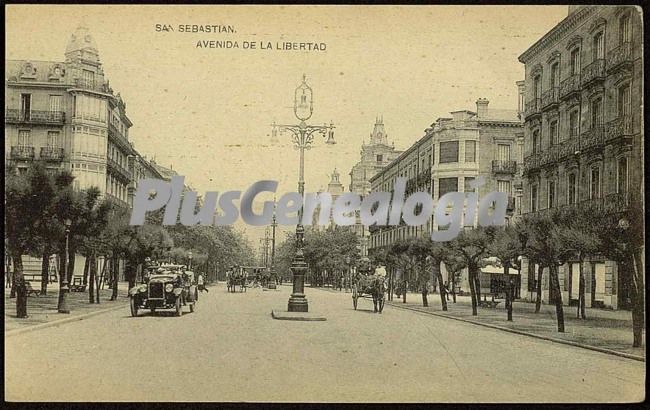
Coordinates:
[207,111]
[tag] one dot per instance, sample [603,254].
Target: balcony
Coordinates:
[570,87]
[593,138]
[619,128]
[532,108]
[568,148]
[620,57]
[22,153]
[118,170]
[551,98]
[52,154]
[91,85]
[504,167]
[116,201]
[594,72]
[35,117]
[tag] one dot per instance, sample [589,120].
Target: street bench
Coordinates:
[77,285]
[30,290]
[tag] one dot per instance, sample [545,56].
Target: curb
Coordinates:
[61,321]
[523,333]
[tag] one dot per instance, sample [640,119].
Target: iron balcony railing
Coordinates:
[593,72]
[35,117]
[550,98]
[532,108]
[22,152]
[570,86]
[620,56]
[91,85]
[504,166]
[620,127]
[118,169]
[594,138]
[52,153]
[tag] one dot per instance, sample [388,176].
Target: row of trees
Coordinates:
[40,207]
[326,253]
[547,239]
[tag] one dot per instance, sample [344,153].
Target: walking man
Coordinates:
[201,284]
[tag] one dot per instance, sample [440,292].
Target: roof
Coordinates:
[495,114]
[43,69]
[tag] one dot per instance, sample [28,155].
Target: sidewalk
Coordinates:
[606,329]
[43,309]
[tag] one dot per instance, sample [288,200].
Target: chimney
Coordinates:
[482,107]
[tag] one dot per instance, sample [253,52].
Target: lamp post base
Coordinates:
[298,303]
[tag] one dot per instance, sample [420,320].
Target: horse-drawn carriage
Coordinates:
[366,285]
[237,276]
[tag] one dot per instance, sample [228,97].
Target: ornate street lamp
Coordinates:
[302,137]
[65,289]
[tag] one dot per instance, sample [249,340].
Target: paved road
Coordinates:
[231,349]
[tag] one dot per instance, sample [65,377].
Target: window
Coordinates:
[503,152]
[503,186]
[621,176]
[537,88]
[535,141]
[555,75]
[624,30]
[571,189]
[470,151]
[551,194]
[575,61]
[53,139]
[26,106]
[598,47]
[88,78]
[448,152]
[433,154]
[624,101]
[446,185]
[553,133]
[380,158]
[597,112]
[533,198]
[468,180]
[24,138]
[55,103]
[574,123]
[594,190]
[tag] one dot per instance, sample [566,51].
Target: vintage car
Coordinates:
[165,287]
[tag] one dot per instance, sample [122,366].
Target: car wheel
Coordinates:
[179,306]
[134,307]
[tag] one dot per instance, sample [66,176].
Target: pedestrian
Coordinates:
[201,284]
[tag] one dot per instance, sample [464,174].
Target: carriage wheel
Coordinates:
[355,297]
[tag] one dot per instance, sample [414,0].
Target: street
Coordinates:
[230,349]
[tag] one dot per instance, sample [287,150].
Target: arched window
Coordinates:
[575,61]
[624,30]
[598,46]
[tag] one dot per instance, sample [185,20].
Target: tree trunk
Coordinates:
[638,299]
[45,270]
[472,290]
[509,292]
[404,289]
[115,277]
[425,291]
[538,301]
[98,280]
[19,285]
[453,286]
[63,265]
[557,297]
[92,266]
[12,292]
[443,292]
[581,293]
[477,284]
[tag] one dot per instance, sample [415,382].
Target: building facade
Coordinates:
[375,155]
[584,132]
[453,152]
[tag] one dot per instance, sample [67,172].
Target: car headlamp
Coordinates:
[169,287]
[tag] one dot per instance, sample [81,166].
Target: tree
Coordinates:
[454,263]
[507,248]
[472,247]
